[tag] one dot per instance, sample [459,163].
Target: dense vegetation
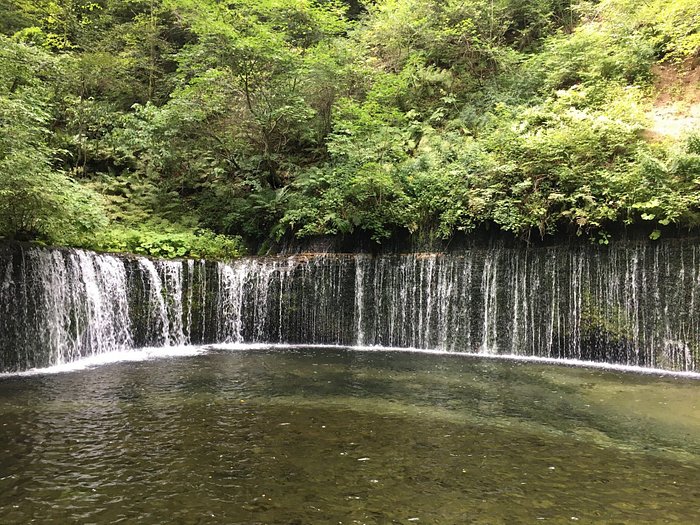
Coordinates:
[193,127]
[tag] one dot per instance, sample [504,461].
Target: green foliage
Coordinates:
[667,187]
[330,201]
[674,26]
[180,127]
[595,53]
[198,244]
[37,201]
[39,204]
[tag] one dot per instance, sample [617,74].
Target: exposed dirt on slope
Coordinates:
[676,108]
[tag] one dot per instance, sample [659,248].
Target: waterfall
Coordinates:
[230,302]
[359,299]
[58,305]
[632,303]
[156,314]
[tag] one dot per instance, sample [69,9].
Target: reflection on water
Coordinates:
[306,436]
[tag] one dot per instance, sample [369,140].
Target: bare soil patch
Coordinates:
[676,108]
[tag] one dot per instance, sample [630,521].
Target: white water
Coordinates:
[230,304]
[116,356]
[434,351]
[147,354]
[155,302]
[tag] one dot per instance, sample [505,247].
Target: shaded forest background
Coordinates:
[207,128]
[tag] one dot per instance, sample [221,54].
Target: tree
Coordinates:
[37,201]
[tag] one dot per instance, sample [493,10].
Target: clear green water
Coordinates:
[307,436]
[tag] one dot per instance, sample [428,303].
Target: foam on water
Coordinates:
[141,354]
[145,354]
[433,351]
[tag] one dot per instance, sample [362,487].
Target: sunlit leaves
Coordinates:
[37,200]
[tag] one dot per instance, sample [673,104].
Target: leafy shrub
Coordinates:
[200,244]
[37,200]
[674,27]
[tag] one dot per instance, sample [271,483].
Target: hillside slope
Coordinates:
[195,128]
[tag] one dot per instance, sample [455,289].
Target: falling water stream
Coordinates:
[635,304]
